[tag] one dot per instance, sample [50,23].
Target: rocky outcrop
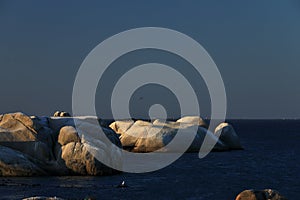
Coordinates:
[228,136]
[143,136]
[267,194]
[53,146]
[21,133]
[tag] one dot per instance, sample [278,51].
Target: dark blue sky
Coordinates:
[255,44]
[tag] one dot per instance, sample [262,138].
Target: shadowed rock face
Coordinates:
[228,136]
[144,136]
[53,146]
[14,163]
[267,194]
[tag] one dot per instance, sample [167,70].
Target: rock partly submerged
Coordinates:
[145,136]
[65,145]
[43,198]
[53,146]
[267,194]
[228,136]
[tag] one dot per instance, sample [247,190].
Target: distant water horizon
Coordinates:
[147,118]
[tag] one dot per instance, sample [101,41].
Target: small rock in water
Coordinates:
[61,114]
[122,185]
[267,194]
[43,198]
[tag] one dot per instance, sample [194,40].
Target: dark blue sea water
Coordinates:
[271,159]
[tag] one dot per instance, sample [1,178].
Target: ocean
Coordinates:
[271,159]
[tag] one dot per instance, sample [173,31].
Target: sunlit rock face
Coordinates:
[87,146]
[19,132]
[144,136]
[55,146]
[195,120]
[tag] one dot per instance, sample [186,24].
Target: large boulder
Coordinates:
[267,194]
[144,136]
[68,134]
[55,146]
[228,136]
[16,127]
[79,160]
[195,120]
[19,132]
[80,150]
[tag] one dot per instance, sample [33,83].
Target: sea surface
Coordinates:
[271,159]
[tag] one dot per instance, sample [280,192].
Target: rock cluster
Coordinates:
[64,145]
[144,136]
[53,146]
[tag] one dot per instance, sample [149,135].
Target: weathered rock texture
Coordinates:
[144,136]
[53,146]
[87,146]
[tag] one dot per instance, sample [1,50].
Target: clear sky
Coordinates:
[255,44]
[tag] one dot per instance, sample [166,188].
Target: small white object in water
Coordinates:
[122,185]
